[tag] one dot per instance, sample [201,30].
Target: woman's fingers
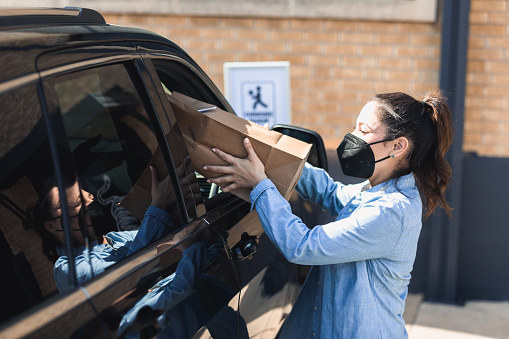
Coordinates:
[224,179]
[249,149]
[218,168]
[229,188]
[155,177]
[223,155]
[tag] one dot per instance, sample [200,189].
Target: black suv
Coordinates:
[84,115]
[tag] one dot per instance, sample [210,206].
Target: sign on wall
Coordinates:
[259,91]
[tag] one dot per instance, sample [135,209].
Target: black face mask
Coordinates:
[356,157]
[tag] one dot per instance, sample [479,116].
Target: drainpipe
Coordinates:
[445,233]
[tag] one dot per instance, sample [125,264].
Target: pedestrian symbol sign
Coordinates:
[258,102]
[259,91]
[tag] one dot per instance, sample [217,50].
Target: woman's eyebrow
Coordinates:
[366,124]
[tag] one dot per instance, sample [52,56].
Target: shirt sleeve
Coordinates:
[88,264]
[316,185]
[370,232]
[155,224]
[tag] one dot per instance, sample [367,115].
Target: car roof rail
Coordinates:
[26,17]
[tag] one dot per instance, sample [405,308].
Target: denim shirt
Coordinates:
[93,261]
[362,261]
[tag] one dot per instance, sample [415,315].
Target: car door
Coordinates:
[181,276]
[269,284]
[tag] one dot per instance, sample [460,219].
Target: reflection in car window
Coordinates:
[176,77]
[25,165]
[122,198]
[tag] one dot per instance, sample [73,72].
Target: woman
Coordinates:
[362,261]
[92,257]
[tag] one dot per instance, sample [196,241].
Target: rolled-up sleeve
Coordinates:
[371,232]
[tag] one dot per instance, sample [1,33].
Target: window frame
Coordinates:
[147,100]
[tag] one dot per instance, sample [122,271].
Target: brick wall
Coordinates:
[336,65]
[486,117]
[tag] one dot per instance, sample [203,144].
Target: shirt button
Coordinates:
[318,282]
[316,308]
[349,210]
[314,334]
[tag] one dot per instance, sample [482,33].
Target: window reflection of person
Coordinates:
[92,257]
[181,303]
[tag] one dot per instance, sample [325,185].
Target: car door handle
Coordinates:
[246,247]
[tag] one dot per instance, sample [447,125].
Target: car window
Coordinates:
[25,169]
[113,146]
[175,76]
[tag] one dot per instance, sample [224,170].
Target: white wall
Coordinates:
[404,10]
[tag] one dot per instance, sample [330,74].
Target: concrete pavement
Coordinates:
[473,320]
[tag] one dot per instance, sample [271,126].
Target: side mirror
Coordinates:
[317,156]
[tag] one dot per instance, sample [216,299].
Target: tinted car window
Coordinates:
[112,143]
[25,166]
[176,77]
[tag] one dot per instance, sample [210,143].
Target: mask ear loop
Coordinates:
[387,157]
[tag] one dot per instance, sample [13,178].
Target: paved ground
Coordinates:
[473,320]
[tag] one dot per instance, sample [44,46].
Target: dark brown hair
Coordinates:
[37,216]
[428,126]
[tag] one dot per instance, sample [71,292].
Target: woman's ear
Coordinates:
[400,147]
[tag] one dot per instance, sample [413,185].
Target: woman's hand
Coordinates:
[239,173]
[162,193]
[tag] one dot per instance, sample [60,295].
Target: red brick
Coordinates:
[345,73]
[304,48]
[476,66]
[204,22]
[497,42]
[321,36]
[377,50]
[377,27]
[478,18]
[268,46]
[414,27]
[287,35]
[485,54]
[488,30]
[235,45]
[306,24]
[323,60]
[428,65]
[394,63]
[360,62]
[252,34]
[497,67]
[358,38]
[476,42]
[236,23]
[276,24]
[426,40]
[393,39]
[342,26]
[341,49]
[488,6]
[498,18]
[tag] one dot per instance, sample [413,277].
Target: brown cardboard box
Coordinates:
[205,126]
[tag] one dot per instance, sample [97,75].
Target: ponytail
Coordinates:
[428,125]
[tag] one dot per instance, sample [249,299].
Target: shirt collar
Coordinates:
[401,183]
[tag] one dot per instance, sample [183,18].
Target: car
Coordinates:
[106,228]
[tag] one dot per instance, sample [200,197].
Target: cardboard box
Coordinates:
[204,126]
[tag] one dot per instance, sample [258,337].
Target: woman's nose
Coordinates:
[88,197]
